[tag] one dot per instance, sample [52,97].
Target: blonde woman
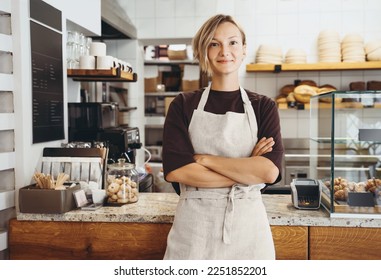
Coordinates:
[222,145]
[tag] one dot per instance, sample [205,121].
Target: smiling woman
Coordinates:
[222,145]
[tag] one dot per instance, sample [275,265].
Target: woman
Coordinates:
[211,149]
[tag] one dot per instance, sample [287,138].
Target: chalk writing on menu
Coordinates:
[47,73]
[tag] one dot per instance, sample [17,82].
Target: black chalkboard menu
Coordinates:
[47,73]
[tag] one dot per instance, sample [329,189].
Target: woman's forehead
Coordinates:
[227,30]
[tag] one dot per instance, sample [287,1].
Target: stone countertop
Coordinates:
[160,208]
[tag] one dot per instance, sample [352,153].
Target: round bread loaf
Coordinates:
[286,89]
[308,83]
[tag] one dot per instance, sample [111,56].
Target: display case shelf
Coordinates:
[112,75]
[320,66]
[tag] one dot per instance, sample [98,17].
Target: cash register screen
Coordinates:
[306,183]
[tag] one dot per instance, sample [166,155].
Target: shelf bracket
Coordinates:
[277,68]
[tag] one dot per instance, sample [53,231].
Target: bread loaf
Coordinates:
[374,85]
[303,93]
[357,86]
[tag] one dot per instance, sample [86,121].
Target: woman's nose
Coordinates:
[224,50]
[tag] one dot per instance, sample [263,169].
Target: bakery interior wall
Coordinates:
[286,23]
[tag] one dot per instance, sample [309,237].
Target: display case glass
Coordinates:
[345,151]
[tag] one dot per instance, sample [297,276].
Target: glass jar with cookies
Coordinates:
[122,183]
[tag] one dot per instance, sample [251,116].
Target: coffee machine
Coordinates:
[98,122]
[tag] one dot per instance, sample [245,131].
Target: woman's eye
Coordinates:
[214,44]
[234,43]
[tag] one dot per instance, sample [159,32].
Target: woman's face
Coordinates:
[226,50]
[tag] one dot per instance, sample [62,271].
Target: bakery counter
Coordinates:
[139,231]
[160,208]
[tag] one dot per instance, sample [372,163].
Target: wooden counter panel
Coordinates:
[343,243]
[95,240]
[73,240]
[291,242]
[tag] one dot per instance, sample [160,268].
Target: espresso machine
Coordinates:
[95,123]
[98,122]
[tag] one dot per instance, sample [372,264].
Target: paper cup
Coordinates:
[87,62]
[105,62]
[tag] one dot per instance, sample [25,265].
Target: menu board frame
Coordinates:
[47,72]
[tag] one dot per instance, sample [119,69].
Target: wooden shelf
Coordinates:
[112,75]
[169,62]
[321,66]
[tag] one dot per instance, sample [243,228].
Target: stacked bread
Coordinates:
[303,92]
[352,48]
[373,51]
[269,54]
[329,47]
[296,56]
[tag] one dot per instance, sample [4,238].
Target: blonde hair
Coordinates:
[204,36]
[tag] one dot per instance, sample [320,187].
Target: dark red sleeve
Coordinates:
[177,147]
[269,126]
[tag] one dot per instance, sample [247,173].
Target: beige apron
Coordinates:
[221,223]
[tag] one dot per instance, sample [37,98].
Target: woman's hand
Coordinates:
[263,146]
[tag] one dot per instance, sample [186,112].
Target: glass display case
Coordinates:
[345,151]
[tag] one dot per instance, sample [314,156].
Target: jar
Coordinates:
[122,185]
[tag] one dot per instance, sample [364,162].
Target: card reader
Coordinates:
[306,193]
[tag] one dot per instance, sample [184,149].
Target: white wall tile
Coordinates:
[329,5]
[244,7]
[287,24]
[289,127]
[268,6]
[303,127]
[146,27]
[145,9]
[248,25]
[265,85]
[352,5]
[165,27]
[350,76]
[307,6]
[225,7]
[266,24]
[206,8]
[352,21]
[287,6]
[309,23]
[330,80]
[185,27]
[185,8]
[165,8]
[330,20]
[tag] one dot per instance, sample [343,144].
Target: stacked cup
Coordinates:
[268,54]
[352,48]
[102,61]
[373,50]
[329,48]
[296,56]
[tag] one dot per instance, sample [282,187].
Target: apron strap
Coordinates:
[249,111]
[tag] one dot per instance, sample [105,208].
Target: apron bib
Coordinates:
[221,223]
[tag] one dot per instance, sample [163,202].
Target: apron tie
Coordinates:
[228,219]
